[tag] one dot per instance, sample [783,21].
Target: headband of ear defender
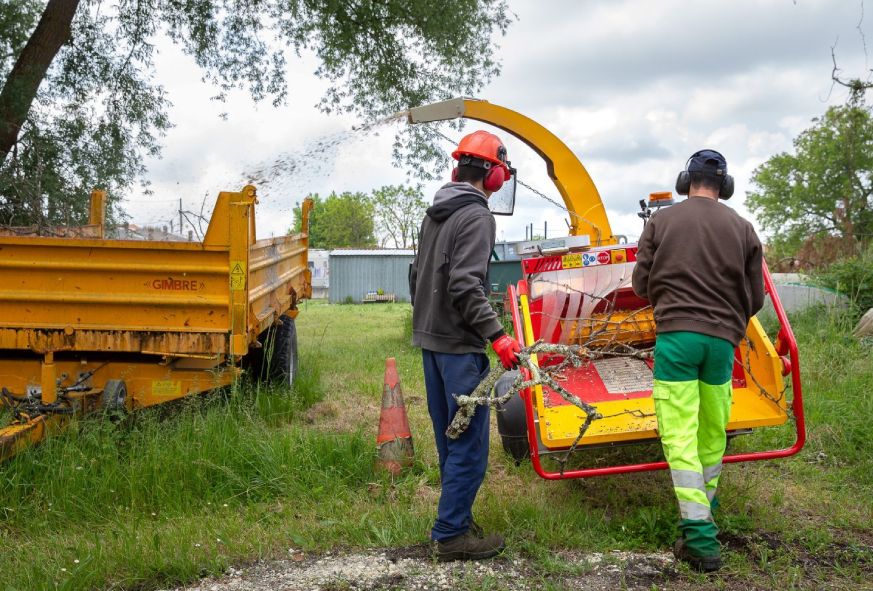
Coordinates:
[495,175]
[710,162]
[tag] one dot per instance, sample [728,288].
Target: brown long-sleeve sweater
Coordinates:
[700,265]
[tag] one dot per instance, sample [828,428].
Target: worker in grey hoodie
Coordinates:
[452,321]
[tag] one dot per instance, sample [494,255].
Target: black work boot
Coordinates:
[702,564]
[469,546]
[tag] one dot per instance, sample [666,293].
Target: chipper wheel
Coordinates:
[276,361]
[511,422]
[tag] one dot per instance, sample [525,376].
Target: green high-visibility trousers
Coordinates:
[692,393]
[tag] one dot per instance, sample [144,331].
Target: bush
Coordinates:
[853,277]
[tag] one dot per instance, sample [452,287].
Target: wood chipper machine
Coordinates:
[577,291]
[89,323]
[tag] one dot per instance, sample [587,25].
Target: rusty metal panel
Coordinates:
[68,284]
[278,276]
[167,298]
[162,343]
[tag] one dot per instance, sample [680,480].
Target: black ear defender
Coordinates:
[706,161]
[727,187]
[683,183]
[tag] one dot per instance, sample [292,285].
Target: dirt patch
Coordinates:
[343,415]
[320,412]
[834,555]
[413,568]
[417,551]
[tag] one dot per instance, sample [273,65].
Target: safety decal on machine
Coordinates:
[571,261]
[589,259]
[578,260]
[237,275]
[166,388]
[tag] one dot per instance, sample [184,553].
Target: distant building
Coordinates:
[505,251]
[360,275]
[319,267]
[365,275]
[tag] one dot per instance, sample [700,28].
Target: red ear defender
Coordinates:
[455,175]
[494,179]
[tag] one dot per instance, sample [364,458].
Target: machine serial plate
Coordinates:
[622,375]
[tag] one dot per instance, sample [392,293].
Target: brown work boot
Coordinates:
[702,564]
[468,546]
[476,529]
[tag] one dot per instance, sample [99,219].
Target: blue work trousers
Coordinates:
[463,461]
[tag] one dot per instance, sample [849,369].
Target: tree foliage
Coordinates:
[825,188]
[853,277]
[389,216]
[398,212]
[99,109]
[342,220]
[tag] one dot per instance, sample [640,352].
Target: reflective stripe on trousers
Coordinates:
[691,420]
[710,479]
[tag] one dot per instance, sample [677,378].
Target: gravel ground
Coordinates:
[412,568]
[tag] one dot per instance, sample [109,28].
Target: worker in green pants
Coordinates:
[700,265]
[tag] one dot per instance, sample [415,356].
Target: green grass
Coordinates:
[173,493]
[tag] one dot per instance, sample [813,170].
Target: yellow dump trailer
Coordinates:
[89,323]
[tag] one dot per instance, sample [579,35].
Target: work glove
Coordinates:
[507,349]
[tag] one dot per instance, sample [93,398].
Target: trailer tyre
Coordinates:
[284,362]
[511,420]
[115,398]
[276,360]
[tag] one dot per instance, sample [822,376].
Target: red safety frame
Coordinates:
[785,344]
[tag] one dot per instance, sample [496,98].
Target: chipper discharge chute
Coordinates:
[89,324]
[577,291]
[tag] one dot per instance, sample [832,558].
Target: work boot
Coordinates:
[702,564]
[476,529]
[468,546]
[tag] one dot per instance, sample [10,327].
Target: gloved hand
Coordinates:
[507,348]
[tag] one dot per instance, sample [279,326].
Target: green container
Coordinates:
[503,273]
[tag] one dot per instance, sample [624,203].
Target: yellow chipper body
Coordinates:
[89,323]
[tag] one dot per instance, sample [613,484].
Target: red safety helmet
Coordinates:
[484,150]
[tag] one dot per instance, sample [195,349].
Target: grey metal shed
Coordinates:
[355,273]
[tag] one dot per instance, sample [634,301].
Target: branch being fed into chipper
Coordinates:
[573,355]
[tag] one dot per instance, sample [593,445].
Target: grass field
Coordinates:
[175,493]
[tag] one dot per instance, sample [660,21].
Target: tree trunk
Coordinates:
[50,34]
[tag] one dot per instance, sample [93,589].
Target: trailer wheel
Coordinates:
[283,361]
[511,420]
[115,397]
[276,361]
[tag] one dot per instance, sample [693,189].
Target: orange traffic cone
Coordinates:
[394,441]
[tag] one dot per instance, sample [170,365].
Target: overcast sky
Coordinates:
[633,87]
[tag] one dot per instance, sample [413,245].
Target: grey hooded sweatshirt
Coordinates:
[447,280]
